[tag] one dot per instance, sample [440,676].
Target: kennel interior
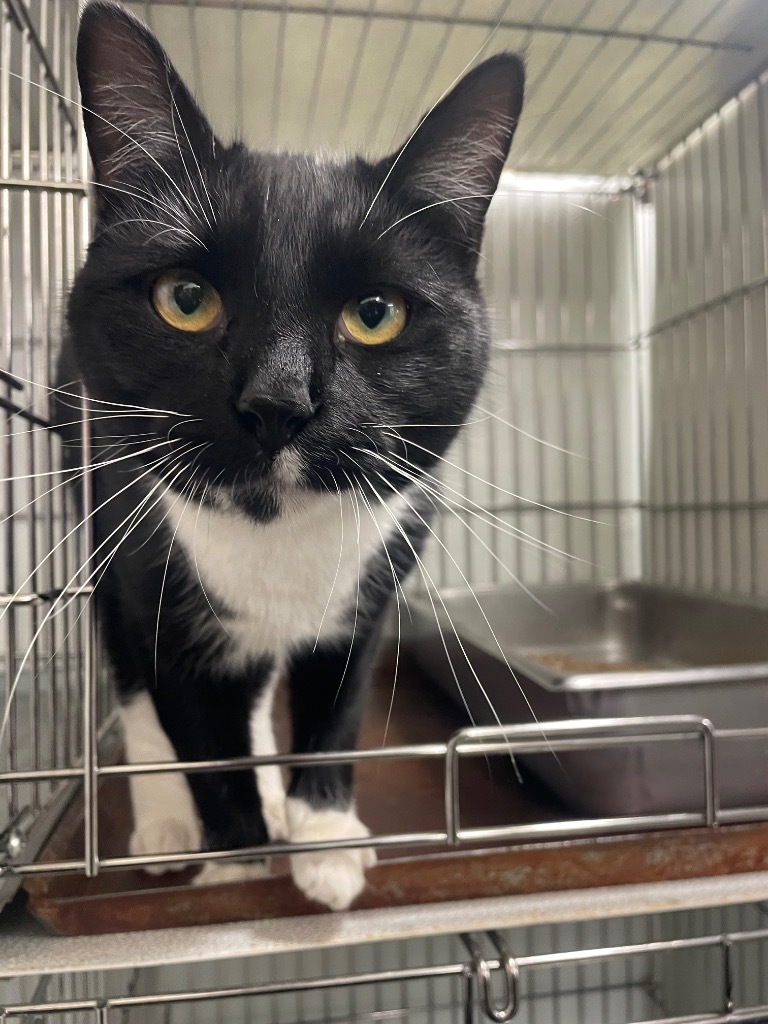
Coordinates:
[623,435]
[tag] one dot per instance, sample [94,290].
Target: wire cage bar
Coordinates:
[620,971]
[511,740]
[44,225]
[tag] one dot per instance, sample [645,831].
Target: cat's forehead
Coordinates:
[304,190]
[298,223]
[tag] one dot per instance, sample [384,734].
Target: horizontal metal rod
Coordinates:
[12,379]
[741,815]
[246,992]
[45,598]
[543,746]
[425,18]
[426,750]
[754,733]
[704,506]
[582,827]
[53,774]
[22,185]
[456,969]
[532,347]
[657,508]
[554,348]
[55,867]
[430,751]
[40,775]
[568,958]
[276,850]
[560,729]
[566,506]
[704,307]
[25,414]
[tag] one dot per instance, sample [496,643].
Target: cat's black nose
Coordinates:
[274,421]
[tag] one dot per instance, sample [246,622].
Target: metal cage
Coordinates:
[626,969]
[623,434]
[45,619]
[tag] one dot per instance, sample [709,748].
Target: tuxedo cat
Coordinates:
[259,336]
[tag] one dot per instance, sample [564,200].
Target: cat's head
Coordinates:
[299,320]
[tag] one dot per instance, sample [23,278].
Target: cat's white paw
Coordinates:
[332,877]
[217,873]
[165,835]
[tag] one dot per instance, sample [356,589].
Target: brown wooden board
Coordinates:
[392,797]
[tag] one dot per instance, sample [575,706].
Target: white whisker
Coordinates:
[497,487]
[398,592]
[413,134]
[430,206]
[482,612]
[190,484]
[532,437]
[356,510]
[194,551]
[55,603]
[336,574]
[477,510]
[428,581]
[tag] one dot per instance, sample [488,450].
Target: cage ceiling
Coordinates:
[613,84]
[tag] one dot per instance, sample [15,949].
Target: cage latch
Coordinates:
[492,1009]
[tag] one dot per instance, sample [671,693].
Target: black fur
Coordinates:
[286,240]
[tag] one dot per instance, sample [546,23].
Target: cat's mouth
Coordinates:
[286,470]
[274,475]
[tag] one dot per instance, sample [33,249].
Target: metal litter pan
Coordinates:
[611,651]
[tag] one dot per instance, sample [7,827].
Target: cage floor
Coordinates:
[393,797]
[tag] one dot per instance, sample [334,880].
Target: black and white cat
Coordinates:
[260,336]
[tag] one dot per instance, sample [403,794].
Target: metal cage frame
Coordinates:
[44,218]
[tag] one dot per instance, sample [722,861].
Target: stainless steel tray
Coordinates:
[609,651]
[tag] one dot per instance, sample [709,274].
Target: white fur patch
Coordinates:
[287,581]
[332,877]
[164,814]
[269,778]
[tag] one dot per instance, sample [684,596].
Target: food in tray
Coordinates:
[572,664]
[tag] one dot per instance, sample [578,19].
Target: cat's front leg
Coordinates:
[269,777]
[327,690]
[165,819]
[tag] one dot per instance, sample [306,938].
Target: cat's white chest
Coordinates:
[290,581]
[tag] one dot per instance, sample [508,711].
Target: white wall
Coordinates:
[707,471]
[560,283]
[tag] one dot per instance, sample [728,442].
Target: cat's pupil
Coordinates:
[372,311]
[188,296]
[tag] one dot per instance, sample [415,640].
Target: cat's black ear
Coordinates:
[456,154]
[138,114]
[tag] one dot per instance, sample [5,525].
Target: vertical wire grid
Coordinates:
[40,235]
[45,355]
[31,490]
[8,30]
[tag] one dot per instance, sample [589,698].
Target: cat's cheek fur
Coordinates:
[164,816]
[332,877]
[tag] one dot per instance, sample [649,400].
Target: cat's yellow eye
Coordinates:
[374,318]
[186,301]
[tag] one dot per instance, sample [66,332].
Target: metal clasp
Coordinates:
[507,962]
